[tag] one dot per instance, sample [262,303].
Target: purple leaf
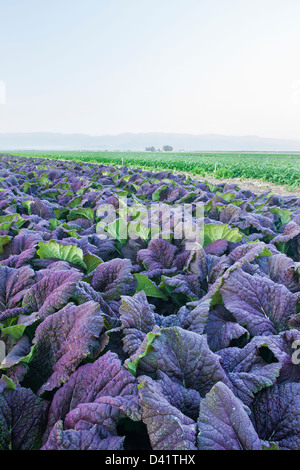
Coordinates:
[253,367]
[52,292]
[182,355]
[217,248]
[258,304]
[14,284]
[111,278]
[22,419]
[65,338]
[167,427]
[98,393]
[276,415]
[81,440]
[158,257]
[222,328]
[223,423]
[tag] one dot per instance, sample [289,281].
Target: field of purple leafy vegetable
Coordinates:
[125,342]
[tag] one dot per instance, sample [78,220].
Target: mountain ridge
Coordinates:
[139,141]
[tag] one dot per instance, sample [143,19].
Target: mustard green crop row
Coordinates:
[275,168]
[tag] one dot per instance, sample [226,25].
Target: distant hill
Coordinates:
[138,142]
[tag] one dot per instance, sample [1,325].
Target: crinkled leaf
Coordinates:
[159,256]
[22,419]
[52,292]
[195,319]
[180,354]
[253,367]
[91,261]
[99,393]
[70,253]
[259,304]
[276,415]
[214,232]
[112,277]
[149,287]
[167,427]
[21,351]
[90,439]
[223,423]
[222,329]
[14,283]
[65,338]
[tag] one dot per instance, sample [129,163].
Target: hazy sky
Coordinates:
[112,66]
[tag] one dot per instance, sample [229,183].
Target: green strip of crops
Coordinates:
[275,168]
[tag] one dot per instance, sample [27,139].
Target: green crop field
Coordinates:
[275,168]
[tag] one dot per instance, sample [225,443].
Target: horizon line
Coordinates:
[151,133]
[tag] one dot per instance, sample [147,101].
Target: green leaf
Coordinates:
[77,200]
[91,262]
[81,212]
[147,343]
[81,191]
[27,359]
[271,446]
[70,253]
[212,187]
[51,194]
[214,232]
[140,197]
[19,221]
[10,384]
[3,241]
[116,229]
[43,180]
[285,214]
[139,230]
[71,231]
[26,205]
[208,206]
[54,223]
[6,221]
[188,198]
[264,252]
[226,196]
[238,202]
[63,186]
[156,194]
[26,186]
[169,181]
[125,178]
[60,213]
[16,331]
[149,287]
[121,193]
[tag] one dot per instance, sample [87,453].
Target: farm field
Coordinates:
[278,169]
[141,309]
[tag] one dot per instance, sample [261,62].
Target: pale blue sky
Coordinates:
[111,66]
